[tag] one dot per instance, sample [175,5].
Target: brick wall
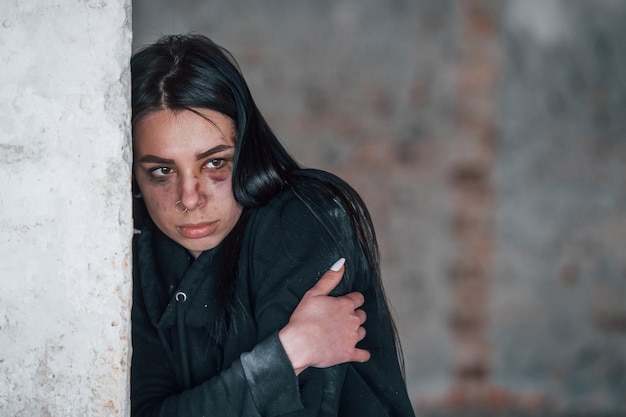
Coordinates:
[487,138]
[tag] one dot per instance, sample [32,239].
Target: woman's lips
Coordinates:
[197,231]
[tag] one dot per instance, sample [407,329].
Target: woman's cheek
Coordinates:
[156,200]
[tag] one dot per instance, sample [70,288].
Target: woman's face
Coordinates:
[181,156]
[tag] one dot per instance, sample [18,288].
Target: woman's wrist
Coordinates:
[293,348]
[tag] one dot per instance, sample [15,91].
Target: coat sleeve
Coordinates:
[292,246]
[155,391]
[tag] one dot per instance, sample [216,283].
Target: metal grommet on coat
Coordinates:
[180,296]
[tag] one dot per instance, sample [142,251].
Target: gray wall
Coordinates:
[559,316]
[65,222]
[487,138]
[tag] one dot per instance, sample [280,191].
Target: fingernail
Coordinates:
[337,265]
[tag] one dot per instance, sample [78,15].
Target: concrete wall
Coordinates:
[65,223]
[487,138]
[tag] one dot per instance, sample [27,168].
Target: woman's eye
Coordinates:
[215,163]
[161,171]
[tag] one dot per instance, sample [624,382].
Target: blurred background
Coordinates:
[488,140]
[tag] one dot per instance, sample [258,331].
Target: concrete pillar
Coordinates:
[65,213]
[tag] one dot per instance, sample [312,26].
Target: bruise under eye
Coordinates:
[219,169]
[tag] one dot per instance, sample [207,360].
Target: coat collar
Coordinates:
[166,269]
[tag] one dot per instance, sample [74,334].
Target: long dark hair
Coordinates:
[183,72]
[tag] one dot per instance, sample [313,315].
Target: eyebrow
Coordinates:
[213,151]
[158,160]
[155,159]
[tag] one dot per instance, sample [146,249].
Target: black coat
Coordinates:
[179,369]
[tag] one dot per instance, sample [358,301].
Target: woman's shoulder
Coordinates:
[304,224]
[311,200]
[311,192]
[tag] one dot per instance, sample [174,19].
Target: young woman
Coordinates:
[233,235]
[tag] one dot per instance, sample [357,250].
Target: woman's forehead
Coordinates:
[200,127]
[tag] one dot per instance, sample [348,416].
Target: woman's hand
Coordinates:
[323,331]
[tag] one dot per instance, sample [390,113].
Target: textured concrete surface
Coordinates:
[65,208]
[487,138]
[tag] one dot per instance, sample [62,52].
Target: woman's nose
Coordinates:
[193,194]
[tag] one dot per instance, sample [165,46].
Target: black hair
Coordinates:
[183,72]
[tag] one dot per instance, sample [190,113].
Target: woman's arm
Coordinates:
[292,244]
[337,321]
